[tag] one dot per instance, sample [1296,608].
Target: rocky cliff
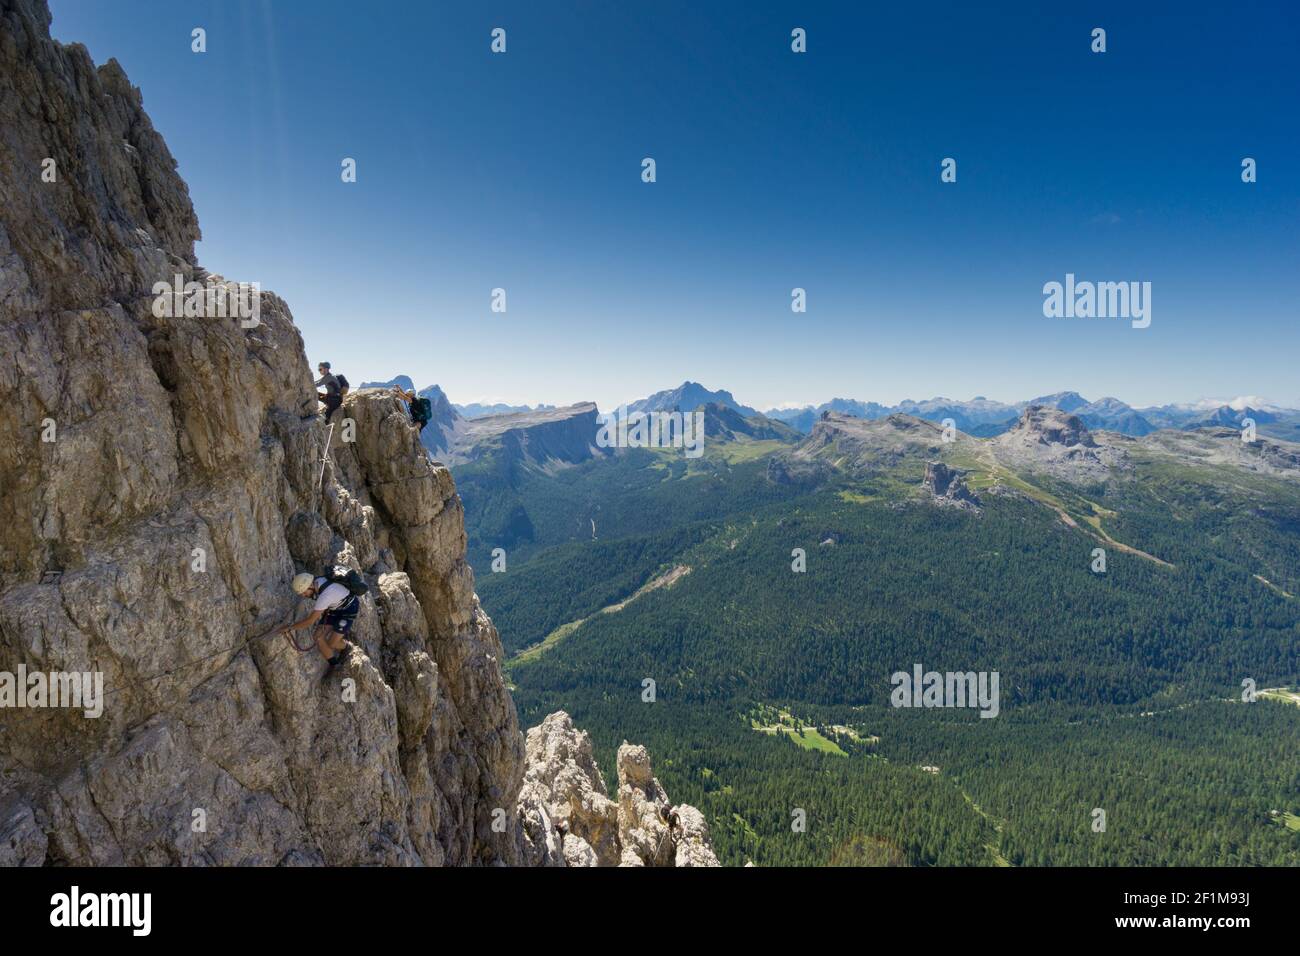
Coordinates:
[165,472]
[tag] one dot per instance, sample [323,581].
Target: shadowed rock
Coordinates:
[947,485]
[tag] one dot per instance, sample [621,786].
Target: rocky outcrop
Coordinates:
[570,820]
[444,421]
[166,470]
[564,796]
[1224,447]
[948,486]
[1048,439]
[1051,426]
[800,472]
[163,481]
[644,811]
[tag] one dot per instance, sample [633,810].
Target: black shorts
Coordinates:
[338,624]
[340,619]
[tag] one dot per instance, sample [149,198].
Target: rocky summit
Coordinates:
[166,473]
[1051,426]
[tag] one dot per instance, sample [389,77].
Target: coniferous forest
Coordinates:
[1122,737]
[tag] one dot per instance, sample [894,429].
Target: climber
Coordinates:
[335,388]
[331,616]
[421,409]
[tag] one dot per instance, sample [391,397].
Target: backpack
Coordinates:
[421,410]
[343,384]
[338,574]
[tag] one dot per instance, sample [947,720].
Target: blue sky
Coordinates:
[775,170]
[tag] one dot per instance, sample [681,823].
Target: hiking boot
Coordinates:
[341,657]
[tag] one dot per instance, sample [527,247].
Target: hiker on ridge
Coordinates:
[336,386]
[420,409]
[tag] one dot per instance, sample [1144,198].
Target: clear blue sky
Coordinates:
[775,170]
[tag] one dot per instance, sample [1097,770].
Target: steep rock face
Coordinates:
[170,468]
[165,476]
[570,820]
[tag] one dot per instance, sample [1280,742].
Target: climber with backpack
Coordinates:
[420,408]
[336,386]
[337,595]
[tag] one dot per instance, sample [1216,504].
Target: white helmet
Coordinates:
[302,583]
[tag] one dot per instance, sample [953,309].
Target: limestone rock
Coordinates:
[563,777]
[1057,442]
[1051,426]
[693,845]
[578,852]
[563,787]
[643,808]
[22,842]
[169,466]
[165,474]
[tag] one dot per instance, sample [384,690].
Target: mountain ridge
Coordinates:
[983,417]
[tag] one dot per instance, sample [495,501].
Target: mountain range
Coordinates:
[450,435]
[983,417]
[1121,585]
